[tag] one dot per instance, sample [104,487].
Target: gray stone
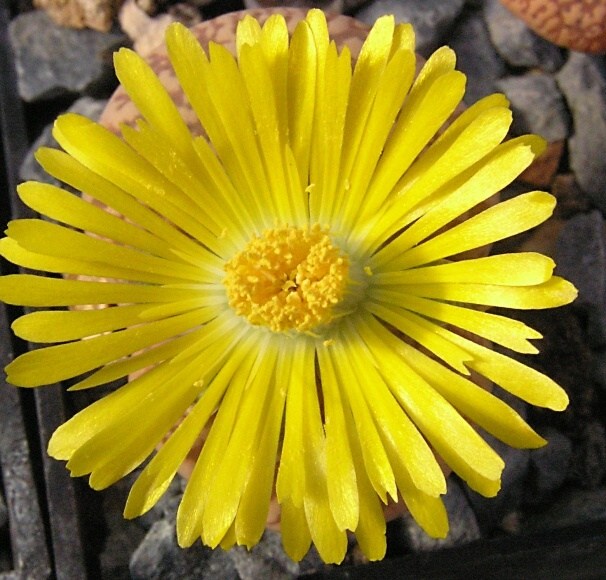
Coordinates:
[476,56]
[537,104]
[53,61]
[158,557]
[516,43]
[581,258]
[462,520]
[583,82]
[432,19]
[571,508]
[30,170]
[548,468]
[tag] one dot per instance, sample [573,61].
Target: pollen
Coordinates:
[288,279]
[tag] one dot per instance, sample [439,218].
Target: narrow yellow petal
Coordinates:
[291,479]
[468,189]
[55,240]
[254,505]
[397,430]
[234,468]
[376,461]
[419,121]
[56,363]
[29,290]
[56,326]
[151,99]
[67,169]
[480,406]
[424,333]
[493,224]
[329,540]
[248,31]
[340,472]
[296,538]
[555,292]
[521,269]
[58,204]
[371,529]
[505,331]
[520,380]
[235,373]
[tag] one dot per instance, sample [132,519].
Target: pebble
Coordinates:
[548,467]
[582,80]
[581,258]
[476,56]
[159,557]
[537,104]
[52,61]
[432,19]
[516,43]
[463,524]
[30,169]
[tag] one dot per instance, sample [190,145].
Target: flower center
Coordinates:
[288,279]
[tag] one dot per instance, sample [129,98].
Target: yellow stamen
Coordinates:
[288,279]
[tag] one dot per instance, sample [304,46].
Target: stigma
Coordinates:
[288,279]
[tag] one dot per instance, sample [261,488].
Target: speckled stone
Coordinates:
[476,56]
[516,43]
[537,105]
[582,80]
[52,61]
[432,19]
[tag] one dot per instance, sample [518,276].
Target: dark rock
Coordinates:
[158,557]
[583,82]
[516,43]
[571,508]
[476,56]
[538,106]
[52,61]
[432,19]
[463,523]
[581,258]
[30,170]
[548,467]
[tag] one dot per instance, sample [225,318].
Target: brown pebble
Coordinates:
[544,168]
[576,24]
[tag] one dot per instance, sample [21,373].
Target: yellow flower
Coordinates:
[288,281]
